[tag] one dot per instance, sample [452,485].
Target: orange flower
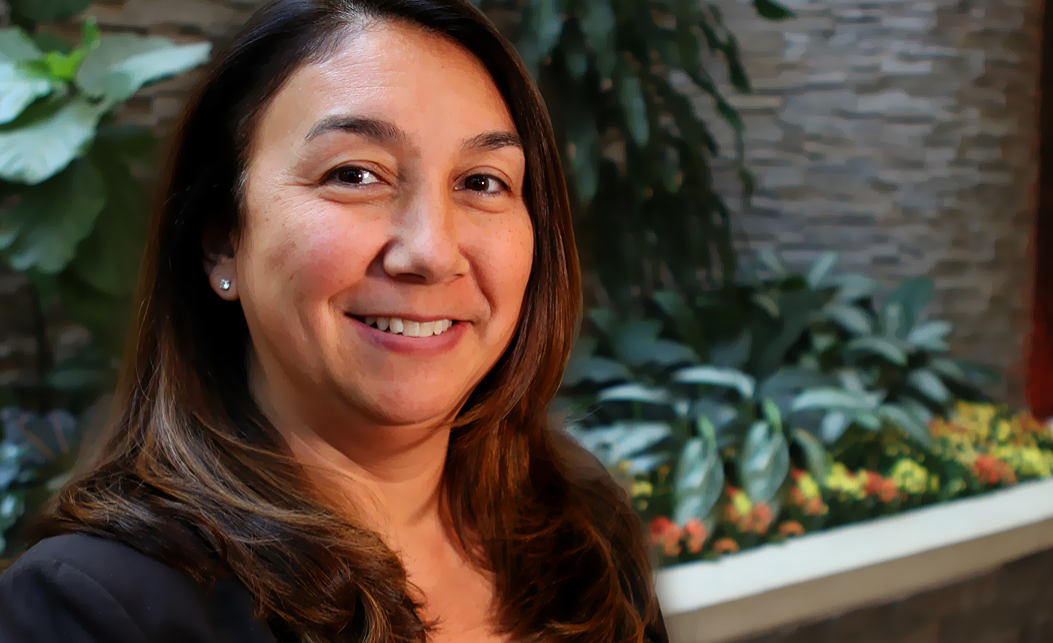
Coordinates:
[991,470]
[791,528]
[725,546]
[815,507]
[877,485]
[762,518]
[666,534]
[696,535]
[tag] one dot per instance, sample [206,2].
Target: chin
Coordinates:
[412,408]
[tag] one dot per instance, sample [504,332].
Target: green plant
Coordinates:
[641,402]
[618,77]
[74,220]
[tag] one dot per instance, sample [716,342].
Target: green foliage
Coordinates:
[76,214]
[36,451]
[772,373]
[638,156]
[74,222]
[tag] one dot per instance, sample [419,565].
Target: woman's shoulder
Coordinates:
[77,588]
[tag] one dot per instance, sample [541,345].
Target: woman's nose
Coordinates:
[425,246]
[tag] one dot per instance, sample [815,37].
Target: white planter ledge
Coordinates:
[832,572]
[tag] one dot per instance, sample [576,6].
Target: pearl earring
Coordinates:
[224,284]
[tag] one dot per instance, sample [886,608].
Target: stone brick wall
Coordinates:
[1013,604]
[904,134]
[900,132]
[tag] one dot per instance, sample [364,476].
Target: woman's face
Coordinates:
[384,190]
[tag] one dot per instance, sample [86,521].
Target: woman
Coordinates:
[356,304]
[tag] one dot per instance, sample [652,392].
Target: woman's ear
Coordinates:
[220,266]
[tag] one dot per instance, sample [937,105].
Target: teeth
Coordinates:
[409,328]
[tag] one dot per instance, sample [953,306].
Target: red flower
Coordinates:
[761,518]
[696,535]
[666,534]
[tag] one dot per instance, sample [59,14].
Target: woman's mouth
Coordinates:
[408,328]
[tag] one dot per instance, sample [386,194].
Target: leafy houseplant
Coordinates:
[728,414]
[74,219]
[617,77]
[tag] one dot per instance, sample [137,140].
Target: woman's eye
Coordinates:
[485,183]
[354,176]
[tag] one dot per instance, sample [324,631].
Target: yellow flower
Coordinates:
[909,476]
[642,488]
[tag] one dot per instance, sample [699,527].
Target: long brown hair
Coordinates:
[191,473]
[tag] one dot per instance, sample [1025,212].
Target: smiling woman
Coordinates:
[356,305]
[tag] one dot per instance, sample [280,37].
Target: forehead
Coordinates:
[426,84]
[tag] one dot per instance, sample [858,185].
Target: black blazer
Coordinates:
[80,589]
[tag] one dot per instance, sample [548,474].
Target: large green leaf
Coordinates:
[820,269]
[912,296]
[878,346]
[48,11]
[598,24]
[687,325]
[19,87]
[832,399]
[767,257]
[122,63]
[764,463]
[906,420]
[849,317]
[716,376]
[733,354]
[948,368]
[42,142]
[815,456]
[930,385]
[546,21]
[634,393]
[43,230]
[622,440]
[633,340]
[930,335]
[833,426]
[699,480]
[109,257]
[631,97]
[854,286]
[16,46]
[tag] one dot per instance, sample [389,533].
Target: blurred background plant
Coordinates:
[786,403]
[74,218]
[619,78]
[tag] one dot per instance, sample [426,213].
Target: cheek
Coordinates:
[510,259]
[305,250]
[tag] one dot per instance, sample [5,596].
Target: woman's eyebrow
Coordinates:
[492,141]
[375,129]
[387,133]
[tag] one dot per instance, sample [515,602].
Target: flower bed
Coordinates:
[978,448]
[876,568]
